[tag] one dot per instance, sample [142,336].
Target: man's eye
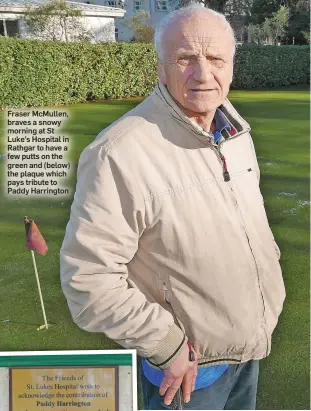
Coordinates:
[219,62]
[186,58]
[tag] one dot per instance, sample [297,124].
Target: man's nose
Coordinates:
[202,70]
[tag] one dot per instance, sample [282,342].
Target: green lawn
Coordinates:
[280,128]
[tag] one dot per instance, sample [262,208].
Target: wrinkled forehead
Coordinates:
[197,34]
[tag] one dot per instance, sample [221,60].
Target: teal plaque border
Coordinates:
[65,359]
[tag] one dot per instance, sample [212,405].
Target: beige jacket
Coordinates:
[157,237]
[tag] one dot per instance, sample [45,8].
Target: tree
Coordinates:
[235,8]
[236,11]
[141,27]
[272,29]
[217,5]
[299,17]
[263,9]
[57,21]
[306,35]
[275,27]
[257,33]
[299,23]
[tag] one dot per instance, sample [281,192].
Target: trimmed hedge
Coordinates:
[270,66]
[36,73]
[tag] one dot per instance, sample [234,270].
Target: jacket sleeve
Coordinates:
[102,237]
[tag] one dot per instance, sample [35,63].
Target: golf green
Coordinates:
[280,129]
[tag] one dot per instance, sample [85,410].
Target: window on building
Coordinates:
[112,3]
[161,5]
[12,28]
[116,33]
[1,28]
[9,28]
[138,4]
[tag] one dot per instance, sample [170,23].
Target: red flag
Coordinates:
[35,241]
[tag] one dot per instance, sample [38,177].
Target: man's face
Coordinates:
[198,64]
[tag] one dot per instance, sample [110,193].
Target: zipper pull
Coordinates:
[191,353]
[226,176]
[224,165]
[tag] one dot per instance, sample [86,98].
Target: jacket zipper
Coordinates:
[249,244]
[222,159]
[227,179]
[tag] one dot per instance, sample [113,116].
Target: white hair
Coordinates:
[194,8]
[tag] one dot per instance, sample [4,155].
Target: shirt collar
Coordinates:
[221,121]
[223,128]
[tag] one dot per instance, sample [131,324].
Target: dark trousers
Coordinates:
[236,389]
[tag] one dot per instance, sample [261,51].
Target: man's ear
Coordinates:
[161,72]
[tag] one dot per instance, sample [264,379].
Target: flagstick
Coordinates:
[39,288]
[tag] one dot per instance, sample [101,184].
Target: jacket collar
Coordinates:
[164,98]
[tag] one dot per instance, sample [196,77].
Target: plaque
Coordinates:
[64,389]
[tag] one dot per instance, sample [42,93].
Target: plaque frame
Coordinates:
[116,378]
[123,360]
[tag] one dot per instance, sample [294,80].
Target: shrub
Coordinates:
[42,73]
[37,73]
[270,66]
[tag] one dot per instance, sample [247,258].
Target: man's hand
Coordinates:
[181,372]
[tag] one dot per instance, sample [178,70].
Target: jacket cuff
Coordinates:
[169,348]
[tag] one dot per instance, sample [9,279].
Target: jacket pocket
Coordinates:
[241,172]
[166,297]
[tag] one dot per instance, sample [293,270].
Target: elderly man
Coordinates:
[168,249]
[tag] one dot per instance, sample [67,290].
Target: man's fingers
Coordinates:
[182,371]
[195,373]
[187,383]
[195,370]
[171,391]
[165,384]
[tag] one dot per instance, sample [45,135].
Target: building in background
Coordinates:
[156,8]
[106,17]
[99,19]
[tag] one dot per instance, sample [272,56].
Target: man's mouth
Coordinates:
[206,89]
